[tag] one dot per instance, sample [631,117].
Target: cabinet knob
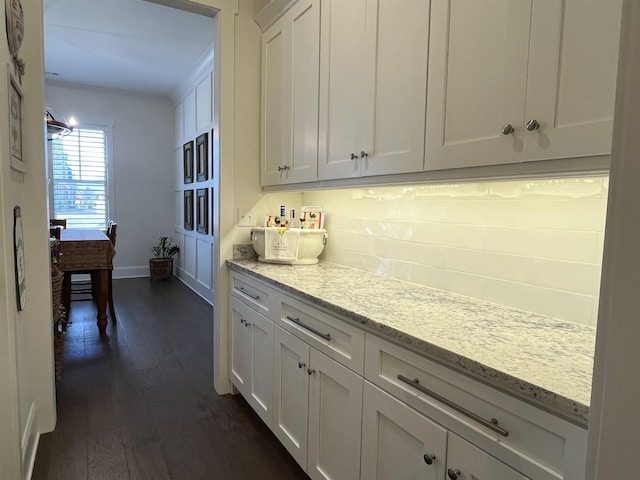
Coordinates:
[354,156]
[363,154]
[507,129]
[532,125]
[301,365]
[429,458]
[311,370]
[242,320]
[453,474]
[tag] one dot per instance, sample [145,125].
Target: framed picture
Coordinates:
[188,209]
[187,161]
[15,125]
[202,208]
[202,157]
[18,249]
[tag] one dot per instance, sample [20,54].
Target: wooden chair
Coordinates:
[58,222]
[54,232]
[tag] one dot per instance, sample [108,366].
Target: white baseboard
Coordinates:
[195,285]
[30,439]
[131,272]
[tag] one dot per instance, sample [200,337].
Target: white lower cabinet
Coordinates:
[317,409]
[252,358]
[398,442]
[354,406]
[466,461]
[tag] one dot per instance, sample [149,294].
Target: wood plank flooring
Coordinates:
[141,405]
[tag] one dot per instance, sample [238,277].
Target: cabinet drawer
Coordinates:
[332,336]
[254,293]
[541,445]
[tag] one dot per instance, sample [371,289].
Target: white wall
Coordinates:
[142,145]
[27,395]
[535,245]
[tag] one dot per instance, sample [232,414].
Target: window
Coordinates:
[79,178]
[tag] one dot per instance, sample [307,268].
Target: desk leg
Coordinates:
[101,299]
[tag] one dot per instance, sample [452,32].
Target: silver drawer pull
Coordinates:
[326,336]
[249,294]
[490,424]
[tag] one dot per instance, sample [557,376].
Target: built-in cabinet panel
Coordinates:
[194,119]
[373,76]
[520,81]
[290,50]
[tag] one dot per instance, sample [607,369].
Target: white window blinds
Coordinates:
[79,175]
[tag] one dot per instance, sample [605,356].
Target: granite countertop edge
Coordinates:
[555,403]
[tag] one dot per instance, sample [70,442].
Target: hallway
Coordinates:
[141,405]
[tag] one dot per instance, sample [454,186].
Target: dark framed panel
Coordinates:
[213,211]
[202,157]
[187,161]
[202,210]
[188,209]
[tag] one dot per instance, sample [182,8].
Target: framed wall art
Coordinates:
[187,161]
[202,208]
[15,125]
[188,209]
[202,157]
[18,249]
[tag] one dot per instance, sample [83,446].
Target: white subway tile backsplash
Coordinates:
[530,244]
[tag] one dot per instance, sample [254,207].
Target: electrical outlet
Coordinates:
[246,218]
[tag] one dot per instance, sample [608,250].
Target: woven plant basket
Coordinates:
[59,320]
[160,268]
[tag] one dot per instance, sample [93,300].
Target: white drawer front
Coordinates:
[333,337]
[254,293]
[541,445]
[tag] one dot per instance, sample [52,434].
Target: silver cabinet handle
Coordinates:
[363,154]
[429,458]
[326,336]
[354,156]
[532,125]
[490,424]
[283,168]
[453,474]
[249,294]
[507,129]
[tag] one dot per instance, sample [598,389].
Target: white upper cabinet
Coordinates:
[520,80]
[289,137]
[373,64]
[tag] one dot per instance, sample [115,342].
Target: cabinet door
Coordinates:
[573,65]
[398,442]
[261,386]
[477,82]
[252,358]
[335,420]
[465,461]
[291,394]
[394,115]
[345,86]
[240,348]
[290,66]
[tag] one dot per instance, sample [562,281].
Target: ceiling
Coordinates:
[130,45]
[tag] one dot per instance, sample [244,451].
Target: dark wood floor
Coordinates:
[140,404]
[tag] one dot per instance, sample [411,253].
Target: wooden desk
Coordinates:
[87,251]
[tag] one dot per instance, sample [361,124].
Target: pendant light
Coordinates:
[56,127]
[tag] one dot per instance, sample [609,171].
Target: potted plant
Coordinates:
[161,266]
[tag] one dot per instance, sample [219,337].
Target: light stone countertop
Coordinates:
[543,360]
